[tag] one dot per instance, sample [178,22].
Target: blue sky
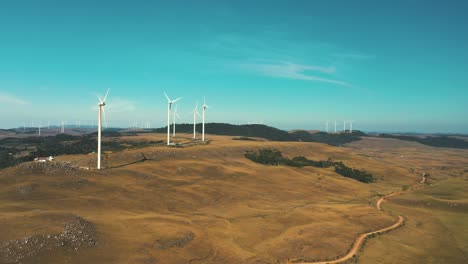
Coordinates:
[389,66]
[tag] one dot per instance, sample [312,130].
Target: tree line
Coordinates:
[274,157]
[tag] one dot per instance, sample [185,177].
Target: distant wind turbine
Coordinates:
[344,126]
[335,126]
[174,122]
[169,107]
[195,113]
[102,103]
[204,110]
[350,126]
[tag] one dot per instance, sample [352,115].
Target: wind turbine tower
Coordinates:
[204,110]
[335,126]
[169,107]
[102,103]
[195,113]
[344,126]
[351,126]
[174,121]
[327,127]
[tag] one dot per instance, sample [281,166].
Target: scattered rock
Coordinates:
[74,184]
[76,234]
[177,242]
[47,168]
[26,189]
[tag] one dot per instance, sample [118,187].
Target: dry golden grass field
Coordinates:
[209,204]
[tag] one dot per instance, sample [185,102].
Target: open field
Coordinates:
[209,204]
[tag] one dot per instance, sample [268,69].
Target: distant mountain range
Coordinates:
[275,134]
[269,133]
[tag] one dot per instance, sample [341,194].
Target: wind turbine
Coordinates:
[204,110]
[351,126]
[195,113]
[174,121]
[102,103]
[169,106]
[344,126]
[327,126]
[335,126]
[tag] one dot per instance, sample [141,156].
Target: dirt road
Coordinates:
[358,242]
[383,199]
[361,238]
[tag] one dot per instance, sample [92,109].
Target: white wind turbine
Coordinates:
[169,106]
[204,110]
[102,103]
[174,121]
[195,113]
[335,126]
[350,126]
[344,126]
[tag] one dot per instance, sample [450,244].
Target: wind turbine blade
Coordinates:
[198,114]
[178,116]
[100,100]
[168,99]
[105,97]
[176,99]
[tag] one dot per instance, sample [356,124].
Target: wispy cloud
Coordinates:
[12,100]
[354,56]
[294,71]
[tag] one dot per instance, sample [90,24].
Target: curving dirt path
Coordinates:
[358,242]
[361,238]
[424,178]
[383,199]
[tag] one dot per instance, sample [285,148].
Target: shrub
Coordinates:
[266,156]
[245,138]
[269,156]
[348,172]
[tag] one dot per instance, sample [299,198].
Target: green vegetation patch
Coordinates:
[245,138]
[267,132]
[274,157]
[439,142]
[17,150]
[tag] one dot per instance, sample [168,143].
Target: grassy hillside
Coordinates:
[17,150]
[203,204]
[268,132]
[209,204]
[439,141]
